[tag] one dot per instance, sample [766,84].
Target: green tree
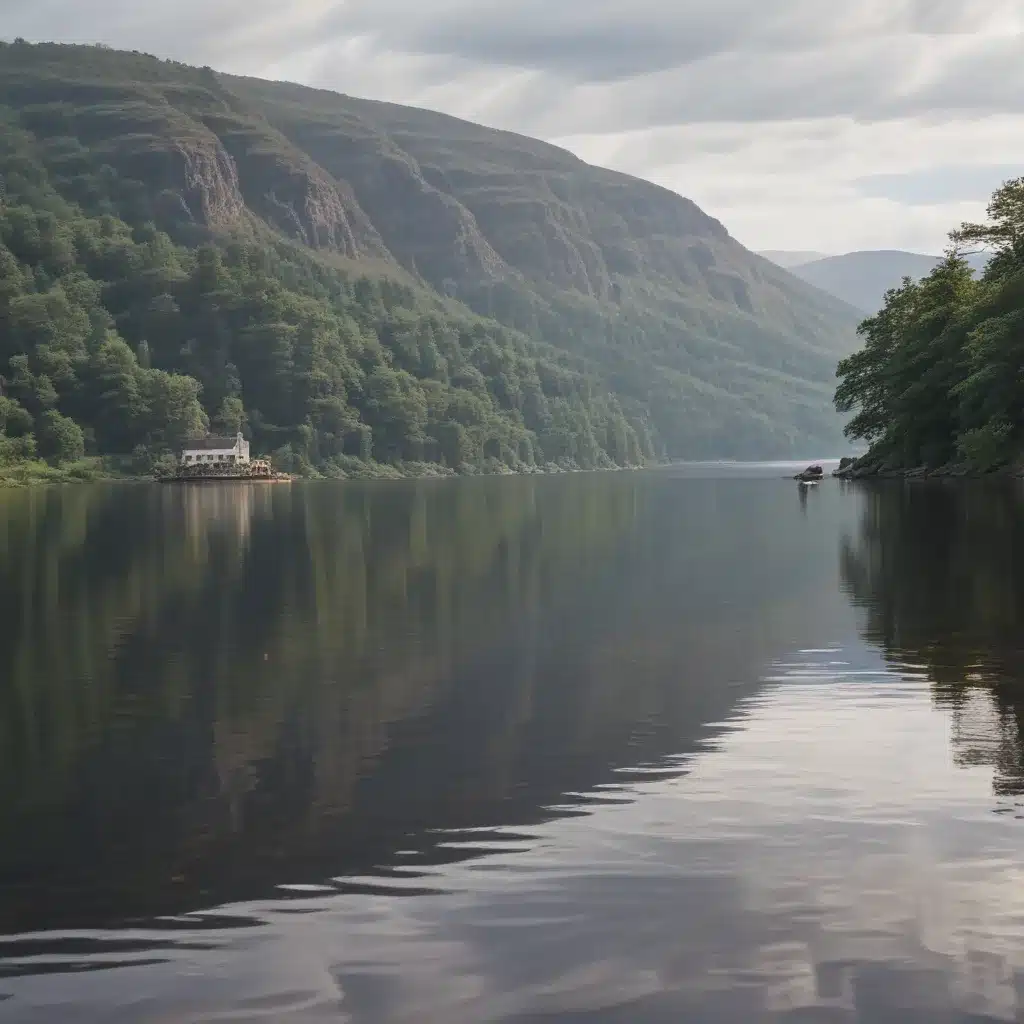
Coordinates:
[14,420]
[939,377]
[60,438]
[231,418]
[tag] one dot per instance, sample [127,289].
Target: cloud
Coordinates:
[822,182]
[939,184]
[788,120]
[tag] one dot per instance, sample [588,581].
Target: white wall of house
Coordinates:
[209,455]
[239,454]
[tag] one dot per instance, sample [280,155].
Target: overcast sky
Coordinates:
[801,124]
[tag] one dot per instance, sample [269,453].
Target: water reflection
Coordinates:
[613,748]
[209,687]
[940,572]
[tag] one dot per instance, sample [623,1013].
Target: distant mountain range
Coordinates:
[787,259]
[860,278]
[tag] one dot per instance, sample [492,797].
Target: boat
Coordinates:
[811,475]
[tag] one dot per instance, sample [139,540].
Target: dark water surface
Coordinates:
[660,747]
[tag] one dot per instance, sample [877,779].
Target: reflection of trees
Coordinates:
[207,696]
[940,573]
[243,660]
[78,588]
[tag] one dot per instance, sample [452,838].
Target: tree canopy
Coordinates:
[940,378]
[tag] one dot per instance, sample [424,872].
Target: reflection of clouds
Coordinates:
[825,870]
[825,859]
[780,875]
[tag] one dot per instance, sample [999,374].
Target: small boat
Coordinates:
[811,475]
[807,483]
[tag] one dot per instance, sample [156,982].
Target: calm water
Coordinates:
[675,746]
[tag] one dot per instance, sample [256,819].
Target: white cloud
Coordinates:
[800,184]
[770,115]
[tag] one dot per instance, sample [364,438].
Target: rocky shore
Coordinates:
[868,467]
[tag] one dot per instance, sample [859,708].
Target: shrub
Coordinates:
[986,448]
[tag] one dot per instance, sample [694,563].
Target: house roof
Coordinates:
[208,443]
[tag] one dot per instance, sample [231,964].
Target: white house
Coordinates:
[232,451]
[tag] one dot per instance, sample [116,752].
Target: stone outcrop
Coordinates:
[209,190]
[426,230]
[284,187]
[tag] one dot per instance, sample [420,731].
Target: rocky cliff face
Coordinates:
[208,184]
[173,158]
[289,191]
[425,228]
[201,156]
[524,209]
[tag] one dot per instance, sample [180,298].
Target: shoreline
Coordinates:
[283,478]
[947,472]
[54,476]
[373,471]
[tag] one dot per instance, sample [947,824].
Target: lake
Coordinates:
[683,745]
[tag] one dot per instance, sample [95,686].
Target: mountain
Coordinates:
[862,278]
[596,316]
[787,258]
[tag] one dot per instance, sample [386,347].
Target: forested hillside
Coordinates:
[120,342]
[359,285]
[939,382]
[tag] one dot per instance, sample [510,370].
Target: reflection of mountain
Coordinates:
[294,690]
[940,570]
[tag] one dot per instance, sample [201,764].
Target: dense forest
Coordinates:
[939,383]
[364,288]
[115,340]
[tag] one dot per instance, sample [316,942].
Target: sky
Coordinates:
[800,124]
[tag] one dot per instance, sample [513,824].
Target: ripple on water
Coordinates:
[808,860]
